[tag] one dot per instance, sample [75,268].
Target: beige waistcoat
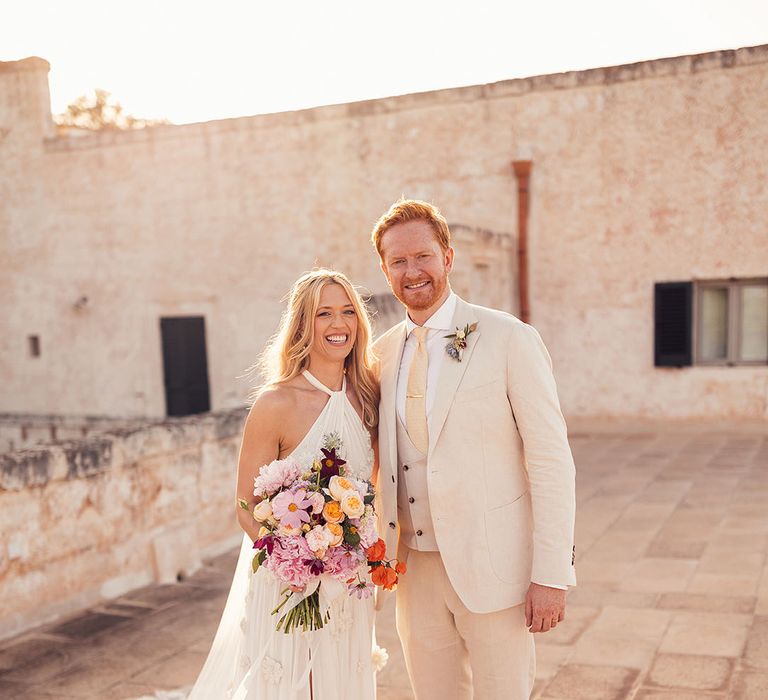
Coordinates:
[416,529]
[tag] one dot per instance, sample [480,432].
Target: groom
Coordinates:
[476,475]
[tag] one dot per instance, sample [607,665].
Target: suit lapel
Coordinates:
[389,371]
[451,372]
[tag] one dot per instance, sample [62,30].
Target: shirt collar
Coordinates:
[440,320]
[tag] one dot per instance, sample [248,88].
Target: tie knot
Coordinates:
[421,333]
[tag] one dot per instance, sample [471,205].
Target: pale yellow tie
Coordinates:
[416,393]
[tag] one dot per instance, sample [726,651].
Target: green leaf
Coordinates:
[261,556]
[256,563]
[243,504]
[368,500]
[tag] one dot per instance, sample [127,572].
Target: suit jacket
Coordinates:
[500,471]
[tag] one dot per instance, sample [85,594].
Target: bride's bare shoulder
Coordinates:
[276,402]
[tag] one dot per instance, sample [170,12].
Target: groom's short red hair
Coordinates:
[412,210]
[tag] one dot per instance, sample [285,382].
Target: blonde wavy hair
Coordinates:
[287,353]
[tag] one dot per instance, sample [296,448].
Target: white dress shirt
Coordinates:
[439,325]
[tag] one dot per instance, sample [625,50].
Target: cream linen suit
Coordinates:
[500,482]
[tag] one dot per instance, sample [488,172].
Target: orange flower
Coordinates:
[379,575]
[376,551]
[400,567]
[391,579]
[332,512]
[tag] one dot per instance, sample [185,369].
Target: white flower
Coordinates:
[285,529]
[272,670]
[262,511]
[352,505]
[318,538]
[335,534]
[249,592]
[339,487]
[341,621]
[379,657]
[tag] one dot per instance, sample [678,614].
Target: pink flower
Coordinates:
[341,563]
[290,507]
[367,528]
[276,475]
[287,561]
[318,502]
[362,589]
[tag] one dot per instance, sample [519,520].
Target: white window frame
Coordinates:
[733,339]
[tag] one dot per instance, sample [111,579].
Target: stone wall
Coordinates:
[83,520]
[18,431]
[644,173]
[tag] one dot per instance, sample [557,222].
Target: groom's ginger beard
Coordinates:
[416,266]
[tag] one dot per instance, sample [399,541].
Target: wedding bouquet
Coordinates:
[318,531]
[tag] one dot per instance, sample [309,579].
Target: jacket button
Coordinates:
[405,467]
[419,533]
[411,499]
[393,478]
[392,525]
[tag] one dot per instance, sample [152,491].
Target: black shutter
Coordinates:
[673,322]
[185,365]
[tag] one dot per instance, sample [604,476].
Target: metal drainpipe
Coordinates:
[522,174]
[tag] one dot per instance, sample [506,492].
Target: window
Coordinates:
[717,322]
[731,322]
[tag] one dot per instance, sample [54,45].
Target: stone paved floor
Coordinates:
[672,602]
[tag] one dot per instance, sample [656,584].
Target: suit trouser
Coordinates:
[452,653]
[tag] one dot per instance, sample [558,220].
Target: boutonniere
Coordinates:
[455,348]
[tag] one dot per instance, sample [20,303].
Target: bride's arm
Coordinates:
[260,445]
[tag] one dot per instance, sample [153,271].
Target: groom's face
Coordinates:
[415,265]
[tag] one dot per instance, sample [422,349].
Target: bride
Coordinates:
[319,382]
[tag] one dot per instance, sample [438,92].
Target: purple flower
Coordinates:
[267,541]
[316,566]
[330,463]
[453,352]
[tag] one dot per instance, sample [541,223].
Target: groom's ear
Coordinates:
[449,255]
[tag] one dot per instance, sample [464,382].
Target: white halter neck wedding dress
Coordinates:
[249,659]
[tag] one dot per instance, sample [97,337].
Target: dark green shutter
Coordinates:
[673,324]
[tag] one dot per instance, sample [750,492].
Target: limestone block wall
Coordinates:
[18,431]
[84,520]
[641,174]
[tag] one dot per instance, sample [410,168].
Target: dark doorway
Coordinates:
[185,365]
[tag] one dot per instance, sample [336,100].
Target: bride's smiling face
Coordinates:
[335,324]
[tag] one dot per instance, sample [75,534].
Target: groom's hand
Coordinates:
[544,607]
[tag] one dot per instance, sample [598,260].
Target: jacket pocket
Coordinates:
[509,533]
